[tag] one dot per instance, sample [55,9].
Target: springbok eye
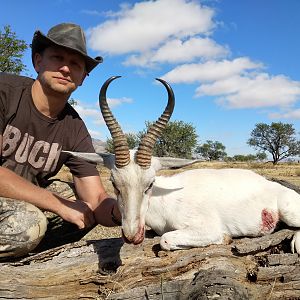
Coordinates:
[115,187]
[149,187]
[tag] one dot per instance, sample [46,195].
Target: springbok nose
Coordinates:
[135,238]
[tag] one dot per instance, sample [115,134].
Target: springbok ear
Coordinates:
[155,163]
[174,163]
[106,159]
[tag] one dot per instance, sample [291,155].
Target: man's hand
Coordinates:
[91,191]
[77,212]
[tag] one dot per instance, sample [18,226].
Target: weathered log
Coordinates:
[248,268]
[257,268]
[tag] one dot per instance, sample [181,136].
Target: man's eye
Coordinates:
[76,65]
[57,57]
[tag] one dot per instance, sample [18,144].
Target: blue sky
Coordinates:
[232,64]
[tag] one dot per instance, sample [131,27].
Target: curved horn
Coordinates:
[122,156]
[144,153]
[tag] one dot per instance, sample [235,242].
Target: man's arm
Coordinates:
[91,190]
[16,187]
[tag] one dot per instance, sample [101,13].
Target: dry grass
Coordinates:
[283,171]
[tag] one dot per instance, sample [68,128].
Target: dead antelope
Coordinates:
[194,208]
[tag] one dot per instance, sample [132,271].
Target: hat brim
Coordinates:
[40,42]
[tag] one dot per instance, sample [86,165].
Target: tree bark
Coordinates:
[248,268]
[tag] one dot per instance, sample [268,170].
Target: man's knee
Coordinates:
[22,226]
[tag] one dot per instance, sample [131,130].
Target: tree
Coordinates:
[250,157]
[11,52]
[261,156]
[244,158]
[178,139]
[72,102]
[278,139]
[132,140]
[212,150]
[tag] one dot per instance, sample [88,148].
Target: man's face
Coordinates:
[60,70]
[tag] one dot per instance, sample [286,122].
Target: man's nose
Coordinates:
[65,68]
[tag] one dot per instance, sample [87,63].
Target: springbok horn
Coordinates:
[122,156]
[145,149]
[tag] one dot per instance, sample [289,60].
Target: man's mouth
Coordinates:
[63,79]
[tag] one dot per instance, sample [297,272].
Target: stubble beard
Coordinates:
[54,87]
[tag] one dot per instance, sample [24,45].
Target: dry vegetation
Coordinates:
[289,172]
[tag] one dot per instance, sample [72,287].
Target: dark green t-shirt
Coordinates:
[32,142]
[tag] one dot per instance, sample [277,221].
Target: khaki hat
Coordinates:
[68,35]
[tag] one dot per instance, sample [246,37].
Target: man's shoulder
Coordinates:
[71,111]
[15,81]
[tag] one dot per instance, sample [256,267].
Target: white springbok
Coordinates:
[194,208]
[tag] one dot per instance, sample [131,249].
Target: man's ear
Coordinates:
[83,77]
[37,58]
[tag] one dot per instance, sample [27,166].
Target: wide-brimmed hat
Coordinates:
[68,35]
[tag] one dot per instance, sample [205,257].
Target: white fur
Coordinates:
[214,204]
[200,207]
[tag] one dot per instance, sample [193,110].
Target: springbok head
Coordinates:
[133,174]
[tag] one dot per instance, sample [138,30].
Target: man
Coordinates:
[36,124]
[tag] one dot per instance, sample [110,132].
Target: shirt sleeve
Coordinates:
[2,107]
